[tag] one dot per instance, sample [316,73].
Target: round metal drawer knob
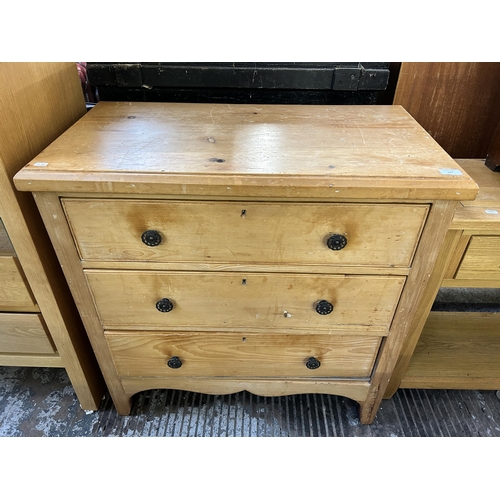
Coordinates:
[164,305]
[336,242]
[151,238]
[324,307]
[313,363]
[174,362]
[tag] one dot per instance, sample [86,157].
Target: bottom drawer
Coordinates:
[241,355]
[24,333]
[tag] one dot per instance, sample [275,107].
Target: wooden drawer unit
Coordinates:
[274,249]
[457,345]
[39,322]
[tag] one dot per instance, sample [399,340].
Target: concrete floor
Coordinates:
[41,402]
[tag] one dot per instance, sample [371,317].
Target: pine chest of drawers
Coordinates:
[219,248]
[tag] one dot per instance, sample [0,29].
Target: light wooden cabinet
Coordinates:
[275,249]
[39,322]
[458,347]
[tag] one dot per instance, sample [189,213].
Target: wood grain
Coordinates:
[249,301]
[24,333]
[481,215]
[60,234]
[205,157]
[416,300]
[418,321]
[456,102]
[485,179]
[15,295]
[233,355]
[460,346]
[277,233]
[354,389]
[456,252]
[456,350]
[38,102]
[33,360]
[245,267]
[481,260]
[374,152]
[471,283]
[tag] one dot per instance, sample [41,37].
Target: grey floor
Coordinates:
[41,402]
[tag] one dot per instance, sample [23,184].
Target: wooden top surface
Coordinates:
[483,213]
[290,150]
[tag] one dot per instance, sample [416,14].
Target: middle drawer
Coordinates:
[237,301]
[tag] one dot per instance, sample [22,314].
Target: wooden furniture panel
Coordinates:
[38,102]
[457,350]
[356,389]
[244,301]
[24,333]
[32,360]
[15,294]
[460,350]
[234,355]
[238,325]
[481,259]
[292,233]
[456,102]
[276,152]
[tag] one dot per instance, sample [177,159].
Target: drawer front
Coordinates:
[24,333]
[481,260]
[132,299]
[234,232]
[14,292]
[234,355]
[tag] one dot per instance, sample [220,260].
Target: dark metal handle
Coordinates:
[174,362]
[324,307]
[336,242]
[151,238]
[164,305]
[313,363]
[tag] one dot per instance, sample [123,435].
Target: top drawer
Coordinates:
[246,232]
